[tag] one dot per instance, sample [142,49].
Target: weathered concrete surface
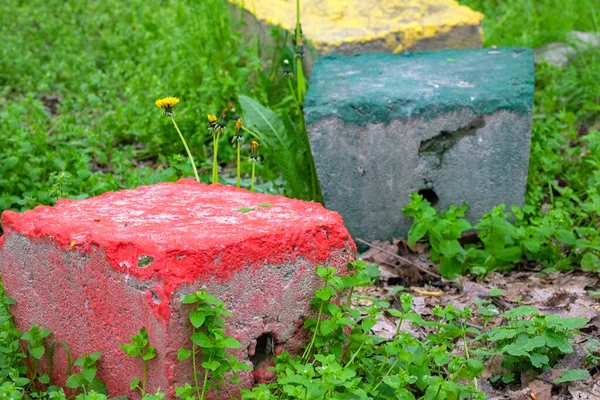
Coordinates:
[453,123]
[95,271]
[366,26]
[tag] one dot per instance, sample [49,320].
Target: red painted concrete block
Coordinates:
[95,271]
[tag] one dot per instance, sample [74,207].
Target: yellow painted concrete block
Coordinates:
[358,26]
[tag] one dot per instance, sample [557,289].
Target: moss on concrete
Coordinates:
[377,88]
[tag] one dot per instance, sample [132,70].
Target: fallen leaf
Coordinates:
[541,390]
[426,293]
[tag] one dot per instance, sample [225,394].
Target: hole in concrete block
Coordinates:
[430,196]
[155,298]
[265,348]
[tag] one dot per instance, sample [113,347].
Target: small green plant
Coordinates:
[529,341]
[344,359]
[140,347]
[551,239]
[86,380]
[443,232]
[58,189]
[210,341]
[36,349]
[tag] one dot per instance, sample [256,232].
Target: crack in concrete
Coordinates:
[439,144]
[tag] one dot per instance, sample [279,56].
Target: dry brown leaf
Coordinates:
[541,390]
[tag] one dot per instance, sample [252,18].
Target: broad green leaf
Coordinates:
[132,350]
[555,339]
[538,360]
[88,373]
[134,383]
[150,353]
[202,340]
[573,322]
[515,350]
[590,262]
[281,144]
[566,237]
[521,311]
[230,343]
[99,387]
[450,268]
[532,245]
[37,352]
[450,248]
[327,327]
[509,254]
[197,318]
[183,354]
[75,381]
[416,232]
[213,365]
[474,367]
[190,299]
[572,375]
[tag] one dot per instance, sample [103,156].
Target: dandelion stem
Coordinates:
[299,70]
[252,179]
[187,149]
[238,165]
[215,171]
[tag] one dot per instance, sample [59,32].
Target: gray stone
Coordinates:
[453,124]
[560,54]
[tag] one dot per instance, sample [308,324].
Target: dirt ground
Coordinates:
[568,294]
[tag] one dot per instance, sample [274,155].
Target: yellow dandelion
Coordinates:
[254,145]
[238,125]
[167,104]
[212,118]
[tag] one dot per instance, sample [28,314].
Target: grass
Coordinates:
[78,81]
[533,23]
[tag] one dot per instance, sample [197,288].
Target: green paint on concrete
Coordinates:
[377,88]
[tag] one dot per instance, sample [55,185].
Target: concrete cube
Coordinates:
[95,271]
[452,125]
[364,26]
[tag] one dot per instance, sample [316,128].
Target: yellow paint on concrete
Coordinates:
[332,23]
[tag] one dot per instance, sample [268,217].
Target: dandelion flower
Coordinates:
[239,136]
[167,104]
[254,156]
[287,69]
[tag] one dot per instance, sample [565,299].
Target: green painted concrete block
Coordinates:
[454,125]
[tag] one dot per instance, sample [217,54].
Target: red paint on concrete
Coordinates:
[74,269]
[192,231]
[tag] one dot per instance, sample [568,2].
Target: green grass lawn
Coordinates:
[78,81]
